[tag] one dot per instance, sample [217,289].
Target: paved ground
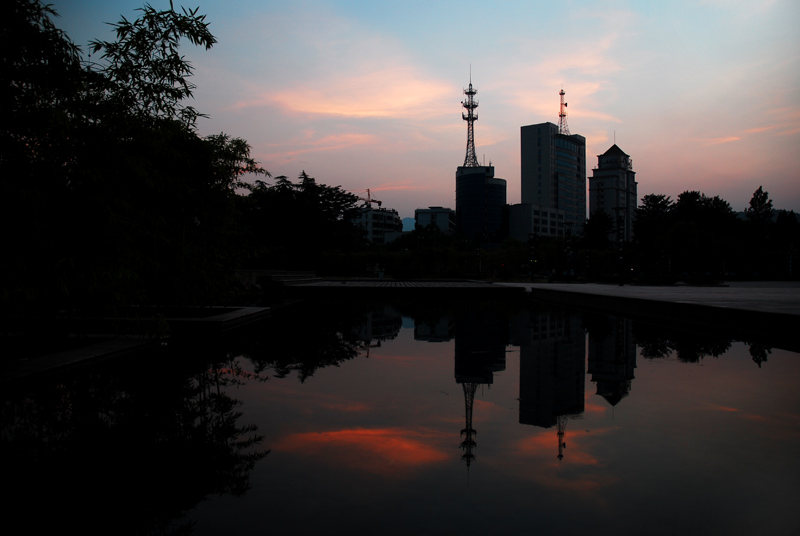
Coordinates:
[766,297]
[390,283]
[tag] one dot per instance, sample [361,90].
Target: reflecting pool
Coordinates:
[391,417]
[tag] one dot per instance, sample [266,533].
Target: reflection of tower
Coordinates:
[612,358]
[552,373]
[562,430]
[480,352]
[468,442]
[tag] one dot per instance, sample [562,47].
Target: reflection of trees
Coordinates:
[308,338]
[690,347]
[126,451]
[759,353]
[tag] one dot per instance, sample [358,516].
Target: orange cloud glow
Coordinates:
[719,141]
[384,93]
[333,142]
[387,451]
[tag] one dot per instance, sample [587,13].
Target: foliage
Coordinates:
[293,225]
[760,210]
[597,230]
[178,435]
[109,195]
[143,70]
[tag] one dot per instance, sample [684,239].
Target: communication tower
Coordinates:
[471,160]
[562,116]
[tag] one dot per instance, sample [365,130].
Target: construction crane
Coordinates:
[369,199]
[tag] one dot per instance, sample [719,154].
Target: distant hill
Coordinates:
[408,224]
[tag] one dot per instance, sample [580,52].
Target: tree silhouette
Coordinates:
[760,210]
[114,200]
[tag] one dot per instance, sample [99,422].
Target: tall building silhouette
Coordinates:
[553,178]
[480,197]
[612,189]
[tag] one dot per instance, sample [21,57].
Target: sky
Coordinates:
[703,95]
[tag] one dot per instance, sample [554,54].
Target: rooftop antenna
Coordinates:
[470,160]
[562,116]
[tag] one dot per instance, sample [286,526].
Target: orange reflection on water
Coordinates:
[579,470]
[717,407]
[346,406]
[384,451]
[594,408]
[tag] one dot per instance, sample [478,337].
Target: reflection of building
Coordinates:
[612,358]
[383,225]
[380,325]
[480,352]
[553,177]
[433,329]
[612,189]
[552,372]
[443,219]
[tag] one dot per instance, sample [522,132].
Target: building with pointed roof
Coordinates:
[612,189]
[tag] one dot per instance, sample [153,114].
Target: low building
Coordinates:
[442,218]
[525,220]
[383,225]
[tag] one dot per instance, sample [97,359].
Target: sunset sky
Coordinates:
[703,95]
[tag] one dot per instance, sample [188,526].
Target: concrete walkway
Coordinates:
[767,297]
[765,312]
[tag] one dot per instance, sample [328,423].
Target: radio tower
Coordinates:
[470,117]
[562,116]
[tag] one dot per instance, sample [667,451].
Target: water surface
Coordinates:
[437,418]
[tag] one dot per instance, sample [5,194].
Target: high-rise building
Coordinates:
[553,178]
[480,197]
[612,189]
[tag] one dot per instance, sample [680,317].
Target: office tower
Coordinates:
[612,189]
[553,176]
[480,197]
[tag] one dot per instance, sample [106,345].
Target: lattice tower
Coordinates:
[471,160]
[563,128]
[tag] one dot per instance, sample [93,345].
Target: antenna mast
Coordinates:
[562,116]
[471,160]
